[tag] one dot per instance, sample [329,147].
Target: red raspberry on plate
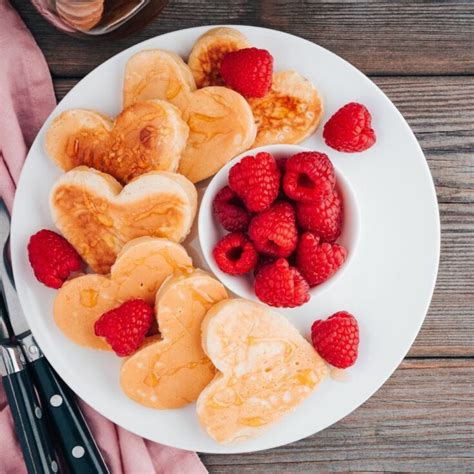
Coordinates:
[309,176]
[126,326]
[273,231]
[52,258]
[248,71]
[336,339]
[235,254]
[279,284]
[349,129]
[323,218]
[230,210]
[318,261]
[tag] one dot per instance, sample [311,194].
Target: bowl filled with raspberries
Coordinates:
[279,224]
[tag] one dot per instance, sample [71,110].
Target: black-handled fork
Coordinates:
[78,446]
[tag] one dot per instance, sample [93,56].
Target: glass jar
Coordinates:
[99,18]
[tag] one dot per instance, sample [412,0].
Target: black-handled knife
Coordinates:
[78,446]
[30,424]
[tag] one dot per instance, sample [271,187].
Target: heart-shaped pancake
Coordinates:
[97,216]
[147,136]
[156,74]
[172,372]
[140,269]
[221,124]
[266,369]
[209,50]
[289,113]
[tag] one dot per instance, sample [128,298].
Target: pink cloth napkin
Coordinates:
[26,99]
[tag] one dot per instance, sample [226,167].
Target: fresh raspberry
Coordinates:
[349,129]
[336,339]
[323,218]
[279,284]
[52,258]
[318,261]
[230,210]
[248,71]
[274,232]
[309,176]
[126,326]
[256,180]
[235,254]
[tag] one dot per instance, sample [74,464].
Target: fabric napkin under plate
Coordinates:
[27,98]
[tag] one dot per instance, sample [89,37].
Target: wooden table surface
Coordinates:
[421,53]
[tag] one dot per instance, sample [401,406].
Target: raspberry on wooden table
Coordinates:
[349,129]
[230,210]
[235,254]
[336,339]
[279,284]
[52,258]
[256,180]
[248,71]
[309,176]
[318,261]
[126,326]
[322,218]
[273,231]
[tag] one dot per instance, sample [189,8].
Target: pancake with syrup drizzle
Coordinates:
[173,371]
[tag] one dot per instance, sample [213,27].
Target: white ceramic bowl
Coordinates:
[210,230]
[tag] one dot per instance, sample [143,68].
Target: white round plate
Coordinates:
[388,285]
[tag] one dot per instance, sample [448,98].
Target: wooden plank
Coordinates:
[449,326]
[441,112]
[379,37]
[421,420]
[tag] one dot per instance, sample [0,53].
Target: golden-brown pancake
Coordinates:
[146,136]
[221,126]
[140,269]
[266,369]
[289,113]
[156,74]
[98,217]
[220,121]
[172,372]
[209,50]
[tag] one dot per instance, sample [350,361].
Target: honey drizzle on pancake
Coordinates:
[144,137]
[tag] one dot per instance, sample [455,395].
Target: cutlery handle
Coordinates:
[78,445]
[30,424]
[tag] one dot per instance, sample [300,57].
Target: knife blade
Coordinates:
[5,327]
[78,446]
[16,316]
